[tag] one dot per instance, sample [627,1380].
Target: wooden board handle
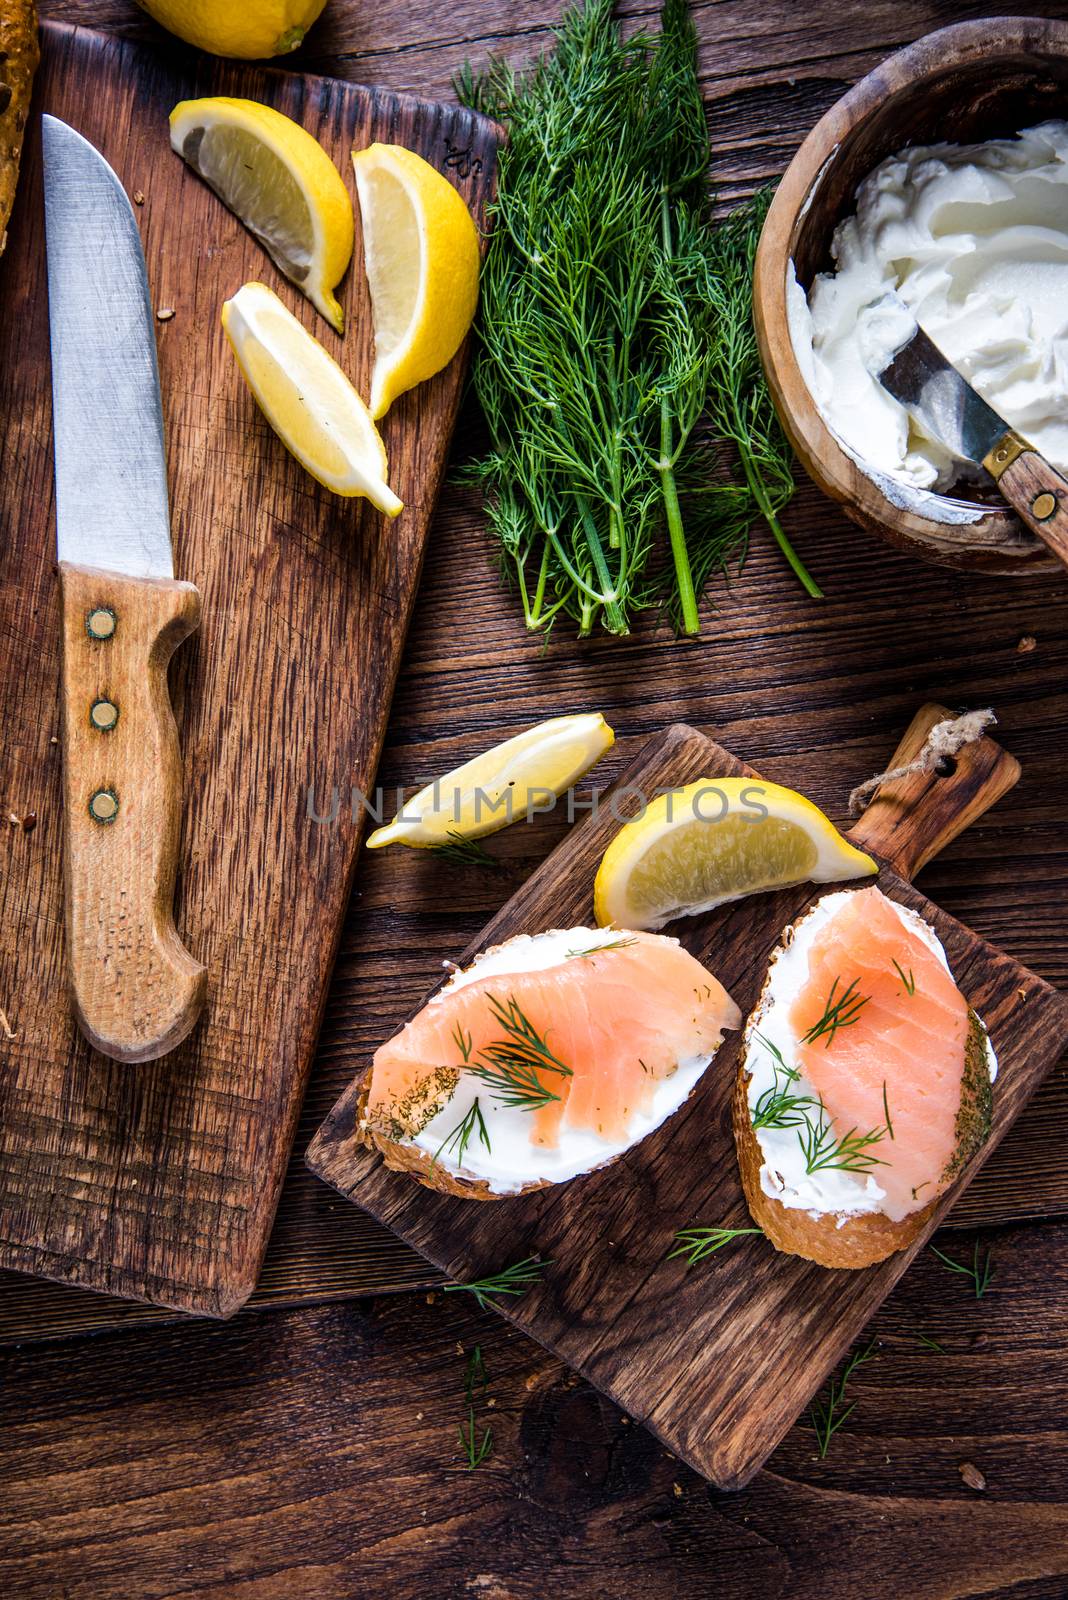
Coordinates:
[1035,490]
[136,989]
[911,819]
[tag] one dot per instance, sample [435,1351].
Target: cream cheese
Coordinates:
[513,1161]
[973,239]
[782,1174]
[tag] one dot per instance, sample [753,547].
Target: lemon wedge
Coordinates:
[716,840]
[306,397]
[282,185]
[511,781]
[421,250]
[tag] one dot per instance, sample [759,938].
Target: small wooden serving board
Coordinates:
[160,1181]
[718,1360]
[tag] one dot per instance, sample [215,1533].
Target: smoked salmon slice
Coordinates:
[584,1040]
[890,1046]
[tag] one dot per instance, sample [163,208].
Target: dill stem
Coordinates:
[609,597]
[809,583]
[534,612]
[691,622]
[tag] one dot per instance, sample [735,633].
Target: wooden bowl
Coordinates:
[973,81]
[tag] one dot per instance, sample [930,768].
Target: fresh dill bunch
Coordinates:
[590,358]
[612,313]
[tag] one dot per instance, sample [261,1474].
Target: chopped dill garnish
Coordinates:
[511,1067]
[828,1412]
[465,852]
[612,944]
[837,1013]
[778,1106]
[461,1135]
[909,982]
[697,1243]
[886,1112]
[476,1382]
[979,1273]
[850,1153]
[514,1280]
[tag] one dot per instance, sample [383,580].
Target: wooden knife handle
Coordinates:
[1035,490]
[136,989]
[911,819]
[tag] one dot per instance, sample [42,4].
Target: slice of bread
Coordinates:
[859,1241]
[18,62]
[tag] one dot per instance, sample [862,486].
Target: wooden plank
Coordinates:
[814,693]
[718,1365]
[314,1454]
[161,1182]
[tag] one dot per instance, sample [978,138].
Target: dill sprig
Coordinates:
[511,1067]
[612,944]
[514,1280]
[476,1383]
[828,1412]
[909,981]
[612,312]
[848,1153]
[697,1243]
[979,1272]
[840,1012]
[465,852]
[778,1106]
[461,1136]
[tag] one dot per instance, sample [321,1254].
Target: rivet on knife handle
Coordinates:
[136,989]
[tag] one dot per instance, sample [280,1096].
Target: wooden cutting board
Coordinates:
[161,1181]
[717,1360]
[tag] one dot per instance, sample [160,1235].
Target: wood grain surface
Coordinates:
[816,693]
[314,1455]
[162,1183]
[719,1364]
[295,1453]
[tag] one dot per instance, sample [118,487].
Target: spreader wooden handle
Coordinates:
[136,989]
[1035,491]
[911,819]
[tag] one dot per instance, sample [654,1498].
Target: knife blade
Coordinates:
[931,389]
[111,475]
[136,991]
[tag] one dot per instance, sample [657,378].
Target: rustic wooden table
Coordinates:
[310,1447]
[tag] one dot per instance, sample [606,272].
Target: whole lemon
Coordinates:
[252,29]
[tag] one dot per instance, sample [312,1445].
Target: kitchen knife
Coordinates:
[933,391]
[136,990]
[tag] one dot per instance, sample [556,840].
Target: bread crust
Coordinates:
[858,1242]
[19,55]
[408,1158]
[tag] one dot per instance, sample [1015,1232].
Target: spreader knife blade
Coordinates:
[931,389]
[136,990]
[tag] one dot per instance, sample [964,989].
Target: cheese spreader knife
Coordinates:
[929,387]
[136,989]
